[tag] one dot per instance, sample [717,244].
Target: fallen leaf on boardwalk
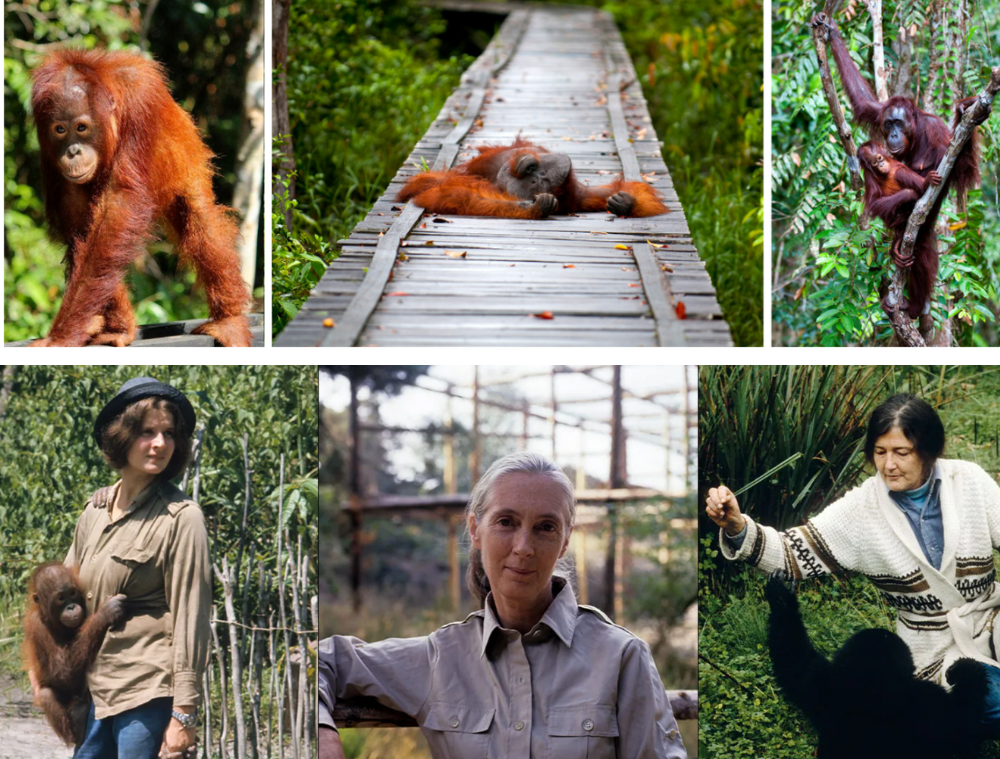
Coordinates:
[568,139]
[628,268]
[641,133]
[329,323]
[619,246]
[395,208]
[600,233]
[439,220]
[666,267]
[455,253]
[397,293]
[681,310]
[429,242]
[634,284]
[569,266]
[424,225]
[511,265]
[403,256]
[655,245]
[544,315]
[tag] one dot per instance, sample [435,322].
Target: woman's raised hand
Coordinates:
[723,509]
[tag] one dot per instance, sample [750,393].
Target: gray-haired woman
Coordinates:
[532,673]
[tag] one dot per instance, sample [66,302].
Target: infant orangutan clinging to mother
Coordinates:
[524,181]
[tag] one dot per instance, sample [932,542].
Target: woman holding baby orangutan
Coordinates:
[144,538]
[532,673]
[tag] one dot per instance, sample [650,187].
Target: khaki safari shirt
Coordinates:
[157,555]
[574,686]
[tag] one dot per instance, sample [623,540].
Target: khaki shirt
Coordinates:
[157,555]
[574,686]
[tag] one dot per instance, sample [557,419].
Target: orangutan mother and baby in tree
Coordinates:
[898,173]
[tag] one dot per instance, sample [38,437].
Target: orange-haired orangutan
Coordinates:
[917,139]
[891,191]
[120,156]
[60,642]
[524,181]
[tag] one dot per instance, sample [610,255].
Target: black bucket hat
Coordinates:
[135,390]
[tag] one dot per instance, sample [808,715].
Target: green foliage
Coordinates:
[203,47]
[295,268]
[829,265]
[365,80]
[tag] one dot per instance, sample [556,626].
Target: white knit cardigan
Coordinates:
[941,614]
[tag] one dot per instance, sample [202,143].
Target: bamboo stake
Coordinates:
[258,659]
[272,680]
[223,707]
[206,741]
[226,577]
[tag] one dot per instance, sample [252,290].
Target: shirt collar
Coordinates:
[560,617]
[145,496]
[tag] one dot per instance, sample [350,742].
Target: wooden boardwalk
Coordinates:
[561,77]
[178,335]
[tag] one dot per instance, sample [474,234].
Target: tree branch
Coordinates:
[878,52]
[821,37]
[970,119]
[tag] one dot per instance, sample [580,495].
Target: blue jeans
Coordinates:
[133,734]
[991,718]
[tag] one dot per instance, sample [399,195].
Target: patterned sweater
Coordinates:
[942,614]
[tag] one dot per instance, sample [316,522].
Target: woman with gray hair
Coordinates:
[532,673]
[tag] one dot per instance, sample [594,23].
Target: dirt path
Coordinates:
[24,734]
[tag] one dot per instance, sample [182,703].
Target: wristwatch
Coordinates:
[186,720]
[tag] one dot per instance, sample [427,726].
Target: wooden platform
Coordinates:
[562,78]
[178,335]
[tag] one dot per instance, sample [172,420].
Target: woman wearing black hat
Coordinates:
[145,538]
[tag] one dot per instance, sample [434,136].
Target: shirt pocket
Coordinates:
[137,569]
[461,729]
[587,731]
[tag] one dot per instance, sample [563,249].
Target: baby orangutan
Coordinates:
[60,642]
[891,191]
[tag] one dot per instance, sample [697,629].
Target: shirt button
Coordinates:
[672,734]
[453,722]
[519,725]
[588,725]
[90,595]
